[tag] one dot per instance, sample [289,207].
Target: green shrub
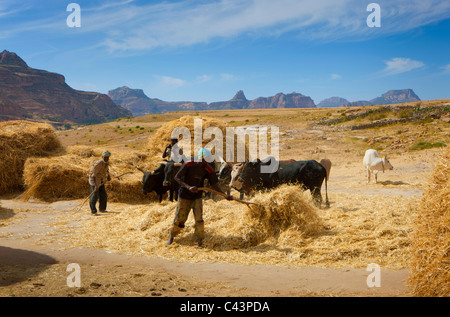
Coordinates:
[426,145]
[405,113]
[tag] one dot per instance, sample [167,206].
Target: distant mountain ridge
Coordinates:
[332,102]
[136,101]
[28,93]
[396,96]
[390,97]
[140,104]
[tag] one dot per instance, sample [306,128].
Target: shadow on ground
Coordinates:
[18,265]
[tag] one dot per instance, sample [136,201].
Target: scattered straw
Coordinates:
[288,230]
[430,264]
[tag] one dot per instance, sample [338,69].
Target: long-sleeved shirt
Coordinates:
[192,174]
[176,154]
[98,173]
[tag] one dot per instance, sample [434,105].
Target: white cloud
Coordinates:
[400,65]
[335,76]
[171,82]
[125,25]
[204,78]
[446,69]
[187,23]
[226,76]
[9,8]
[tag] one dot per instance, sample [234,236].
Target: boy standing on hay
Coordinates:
[98,175]
[190,177]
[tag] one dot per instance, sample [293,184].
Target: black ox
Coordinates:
[161,180]
[309,174]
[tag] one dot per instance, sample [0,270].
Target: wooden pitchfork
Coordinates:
[248,203]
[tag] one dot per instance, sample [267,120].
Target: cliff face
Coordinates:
[28,93]
[333,102]
[137,102]
[388,98]
[396,96]
[281,100]
[134,100]
[239,101]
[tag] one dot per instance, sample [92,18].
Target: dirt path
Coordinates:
[29,268]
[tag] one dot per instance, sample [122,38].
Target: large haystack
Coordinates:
[161,138]
[66,177]
[430,265]
[232,225]
[20,140]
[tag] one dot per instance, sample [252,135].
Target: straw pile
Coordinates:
[161,138]
[52,179]
[288,230]
[66,177]
[430,265]
[237,226]
[20,140]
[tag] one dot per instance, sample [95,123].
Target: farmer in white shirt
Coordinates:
[173,152]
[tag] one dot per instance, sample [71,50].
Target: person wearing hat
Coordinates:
[98,175]
[173,152]
[190,177]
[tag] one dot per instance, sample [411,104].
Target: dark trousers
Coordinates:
[99,195]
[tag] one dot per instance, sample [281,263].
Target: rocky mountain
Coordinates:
[396,96]
[359,103]
[293,100]
[140,104]
[332,102]
[239,101]
[136,101]
[28,93]
[390,97]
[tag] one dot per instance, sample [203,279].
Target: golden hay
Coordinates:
[282,209]
[430,264]
[66,177]
[20,140]
[83,151]
[356,231]
[161,138]
[52,179]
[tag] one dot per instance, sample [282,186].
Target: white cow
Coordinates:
[374,163]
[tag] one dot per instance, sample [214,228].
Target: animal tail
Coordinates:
[326,191]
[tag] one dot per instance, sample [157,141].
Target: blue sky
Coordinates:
[200,50]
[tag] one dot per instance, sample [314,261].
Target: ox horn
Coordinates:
[140,169]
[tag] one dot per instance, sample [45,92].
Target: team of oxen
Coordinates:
[247,177]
